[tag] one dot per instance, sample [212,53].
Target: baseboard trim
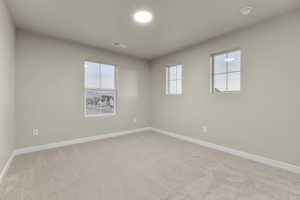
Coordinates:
[257,158]
[6,166]
[76,141]
[64,143]
[249,156]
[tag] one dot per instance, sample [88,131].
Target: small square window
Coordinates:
[174,80]
[226,72]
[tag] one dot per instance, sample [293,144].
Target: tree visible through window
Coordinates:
[174,80]
[100,89]
[226,72]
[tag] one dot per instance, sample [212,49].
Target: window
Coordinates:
[226,72]
[100,89]
[174,80]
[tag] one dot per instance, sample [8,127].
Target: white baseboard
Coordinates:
[76,141]
[64,143]
[249,156]
[261,159]
[6,166]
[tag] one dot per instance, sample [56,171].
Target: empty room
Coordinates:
[149,100]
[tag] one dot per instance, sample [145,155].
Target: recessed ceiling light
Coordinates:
[142,16]
[247,10]
[119,45]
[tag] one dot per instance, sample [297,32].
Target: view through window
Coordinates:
[100,89]
[174,80]
[226,72]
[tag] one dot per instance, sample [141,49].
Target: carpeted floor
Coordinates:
[143,166]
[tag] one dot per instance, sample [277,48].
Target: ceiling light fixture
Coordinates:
[247,10]
[143,16]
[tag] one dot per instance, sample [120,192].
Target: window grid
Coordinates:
[99,88]
[170,80]
[226,73]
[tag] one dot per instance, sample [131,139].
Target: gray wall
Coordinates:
[264,118]
[50,91]
[7,45]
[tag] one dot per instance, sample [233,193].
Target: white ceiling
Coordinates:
[177,23]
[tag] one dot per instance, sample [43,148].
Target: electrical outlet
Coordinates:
[204,129]
[134,120]
[35,132]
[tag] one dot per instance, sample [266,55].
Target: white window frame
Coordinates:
[102,89]
[167,82]
[212,75]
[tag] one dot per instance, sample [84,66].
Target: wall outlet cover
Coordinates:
[35,132]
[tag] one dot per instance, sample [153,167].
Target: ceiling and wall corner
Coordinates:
[263,118]
[176,24]
[59,34]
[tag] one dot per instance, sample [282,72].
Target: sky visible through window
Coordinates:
[174,79]
[100,93]
[227,71]
[99,75]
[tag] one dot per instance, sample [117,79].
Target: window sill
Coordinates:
[100,115]
[227,92]
[173,94]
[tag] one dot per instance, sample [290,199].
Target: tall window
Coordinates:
[226,72]
[100,89]
[174,80]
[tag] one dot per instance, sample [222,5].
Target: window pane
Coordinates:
[220,64]
[107,76]
[179,72]
[91,75]
[99,102]
[234,81]
[220,82]
[179,86]
[234,61]
[174,80]
[172,87]
[172,73]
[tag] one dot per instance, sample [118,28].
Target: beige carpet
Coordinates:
[143,166]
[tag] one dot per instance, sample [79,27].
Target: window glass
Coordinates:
[100,92]
[179,86]
[226,72]
[234,62]
[220,64]
[179,72]
[107,76]
[92,75]
[98,101]
[220,82]
[234,81]
[172,87]
[174,80]
[172,73]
